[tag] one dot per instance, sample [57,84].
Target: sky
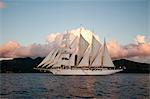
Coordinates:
[27,23]
[30,21]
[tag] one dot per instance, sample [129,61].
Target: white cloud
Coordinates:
[140,39]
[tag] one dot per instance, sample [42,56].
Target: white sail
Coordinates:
[83,45]
[65,56]
[63,59]
[85,60]
[98,59]
[72,60]
[47,58]
[59,63]
[56,61]
[51,64]
[51,59]
[95,46]
[65,62]
[107,62]
[103,59]
[73,45]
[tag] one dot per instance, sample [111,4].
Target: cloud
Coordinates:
[13,49]
[51,37]
[2,5]
[135,51]
[8,49]
[140,39]
[130,51]
[116,50]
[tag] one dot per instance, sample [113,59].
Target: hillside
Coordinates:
[132,67]
[20,65]
[26,65]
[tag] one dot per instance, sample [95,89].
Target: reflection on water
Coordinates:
[46,86]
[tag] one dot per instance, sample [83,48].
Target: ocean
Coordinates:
[47,86]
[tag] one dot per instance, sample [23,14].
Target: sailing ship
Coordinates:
[79,57]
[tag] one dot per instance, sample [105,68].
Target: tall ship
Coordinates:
[79,55]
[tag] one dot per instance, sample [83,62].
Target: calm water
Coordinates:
[46,86]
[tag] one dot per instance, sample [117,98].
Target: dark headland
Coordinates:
[26,65]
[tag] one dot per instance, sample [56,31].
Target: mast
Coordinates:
[72,60]
[103,53]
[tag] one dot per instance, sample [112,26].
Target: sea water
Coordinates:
[47,86]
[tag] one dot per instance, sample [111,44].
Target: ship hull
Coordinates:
[83,72]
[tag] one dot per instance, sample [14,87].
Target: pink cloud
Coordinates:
[14,49]
[51,37]
[116,51]
[8,49]
[142,49]
[135,51]
[2,5]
